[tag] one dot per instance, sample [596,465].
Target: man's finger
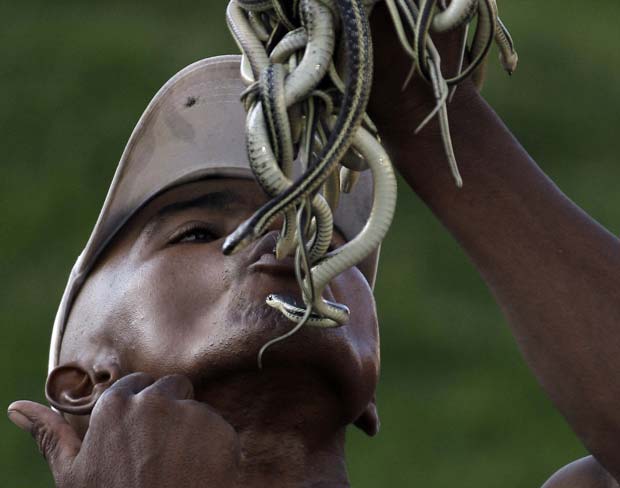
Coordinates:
[133,383]
[174,386]
[56,439]
[117,395]
[115,399]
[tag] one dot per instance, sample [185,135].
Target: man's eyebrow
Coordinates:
[217,201]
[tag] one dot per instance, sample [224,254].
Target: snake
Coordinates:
[359,66]
[318,29]
[455,15]
[295,89]
[247,41]
[270,176]
[507,54]
[369,238]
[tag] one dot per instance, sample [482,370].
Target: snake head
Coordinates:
[243,236]
[295,313]
[509,62]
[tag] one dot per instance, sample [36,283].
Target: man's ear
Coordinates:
[74,388]
[369,420]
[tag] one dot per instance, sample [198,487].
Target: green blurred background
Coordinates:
[458,405]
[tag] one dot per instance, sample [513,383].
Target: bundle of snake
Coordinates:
[296,54]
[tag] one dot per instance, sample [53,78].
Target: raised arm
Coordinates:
[554,271]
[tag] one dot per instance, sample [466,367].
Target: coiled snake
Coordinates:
[300,111]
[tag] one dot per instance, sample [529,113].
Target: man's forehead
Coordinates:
[215,193]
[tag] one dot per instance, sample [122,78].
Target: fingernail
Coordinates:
[19,419]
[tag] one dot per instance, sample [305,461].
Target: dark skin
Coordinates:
[174,305]
[550,267]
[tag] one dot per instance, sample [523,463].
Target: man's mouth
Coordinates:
[262,259]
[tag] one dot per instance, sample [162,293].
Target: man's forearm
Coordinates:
[554,271]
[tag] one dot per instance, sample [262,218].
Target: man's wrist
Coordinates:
[400,130]
[421,157]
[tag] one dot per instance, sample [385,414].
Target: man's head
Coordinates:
[152,291]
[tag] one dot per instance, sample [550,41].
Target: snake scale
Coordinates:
[307,65]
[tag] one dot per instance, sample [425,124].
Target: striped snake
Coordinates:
[308,68]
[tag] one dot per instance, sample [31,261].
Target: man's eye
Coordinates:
[193,233]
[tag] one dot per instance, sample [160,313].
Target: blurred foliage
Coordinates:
[458,405]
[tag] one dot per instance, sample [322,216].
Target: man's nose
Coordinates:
[278,223]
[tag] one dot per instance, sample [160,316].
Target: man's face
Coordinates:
[166,300]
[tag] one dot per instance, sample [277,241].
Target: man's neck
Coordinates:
[290,427]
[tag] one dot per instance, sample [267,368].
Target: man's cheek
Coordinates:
[174,296]
[352,289]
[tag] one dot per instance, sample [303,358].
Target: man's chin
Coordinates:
[336,355]
[326,356]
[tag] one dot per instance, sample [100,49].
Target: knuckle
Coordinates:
[112,399]
[195,411]
[177,379]
[181,383]
[153,402]
[140,377]
[209,416]
[192,414]
[171,387]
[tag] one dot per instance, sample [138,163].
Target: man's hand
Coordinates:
[552,269]
[141,433]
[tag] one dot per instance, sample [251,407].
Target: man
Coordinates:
[161,299]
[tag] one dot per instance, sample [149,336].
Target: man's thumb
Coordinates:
[57,440]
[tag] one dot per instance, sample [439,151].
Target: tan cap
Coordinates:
[192,129]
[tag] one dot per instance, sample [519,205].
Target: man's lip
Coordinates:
[268,263]
[263,259]
[266,245]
